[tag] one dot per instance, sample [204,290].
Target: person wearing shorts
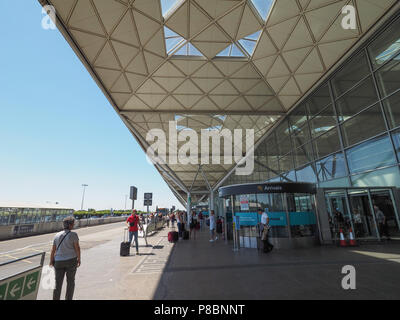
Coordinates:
[212,226]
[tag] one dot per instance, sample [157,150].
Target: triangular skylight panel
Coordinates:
[172,40]
[193,50]
[249,42]
[167,6]
[231,51]
[188,50]
[263,7]
[220,117]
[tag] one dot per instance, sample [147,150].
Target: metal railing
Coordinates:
[155,225]
[24,284]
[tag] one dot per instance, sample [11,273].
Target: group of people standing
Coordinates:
[362,222]
[195,222]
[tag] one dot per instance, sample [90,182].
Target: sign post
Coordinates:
[148,200]
[133,196]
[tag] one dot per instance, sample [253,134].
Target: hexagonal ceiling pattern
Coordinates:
[244,61]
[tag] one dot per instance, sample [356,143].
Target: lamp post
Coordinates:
[83,196]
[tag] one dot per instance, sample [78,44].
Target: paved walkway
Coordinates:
[203,270]
[198,269]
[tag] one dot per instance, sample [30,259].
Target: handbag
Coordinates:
[133,224]
[264,235]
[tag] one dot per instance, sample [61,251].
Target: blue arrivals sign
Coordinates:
[277,219]
[248,218]
[296,219]
[302,218]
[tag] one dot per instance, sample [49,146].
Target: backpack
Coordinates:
[134,223]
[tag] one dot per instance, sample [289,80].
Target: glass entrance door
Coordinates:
[364,220]
[385,213]
[338,210]
[370,212]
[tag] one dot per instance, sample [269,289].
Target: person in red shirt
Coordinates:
[134,224]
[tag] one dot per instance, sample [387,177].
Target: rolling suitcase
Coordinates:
[125,246]
[172,236]
[185,235]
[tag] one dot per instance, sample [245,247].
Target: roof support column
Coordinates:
[211,195]
[211,200]
[188,210]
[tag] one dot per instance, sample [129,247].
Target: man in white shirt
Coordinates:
[212,226]
[264,229]
[264,218]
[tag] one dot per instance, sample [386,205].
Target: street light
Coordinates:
[83,196]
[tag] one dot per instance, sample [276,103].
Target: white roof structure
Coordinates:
[236,64]
[31,205]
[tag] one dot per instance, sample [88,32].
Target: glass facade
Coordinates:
[13,216]
[291,213]
[347,131]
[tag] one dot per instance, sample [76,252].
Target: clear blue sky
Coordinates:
[57,130]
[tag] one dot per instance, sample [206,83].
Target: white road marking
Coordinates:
[27,247]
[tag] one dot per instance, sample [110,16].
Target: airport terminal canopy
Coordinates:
[209,64]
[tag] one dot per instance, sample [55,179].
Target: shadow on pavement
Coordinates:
[198,269]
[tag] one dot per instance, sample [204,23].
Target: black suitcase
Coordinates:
[185,235]
[125,247]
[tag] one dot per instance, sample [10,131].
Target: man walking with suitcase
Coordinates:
[264,228]
[134,224]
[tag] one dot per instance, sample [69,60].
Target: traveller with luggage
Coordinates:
[264,229]
[134,225]
[212,226]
